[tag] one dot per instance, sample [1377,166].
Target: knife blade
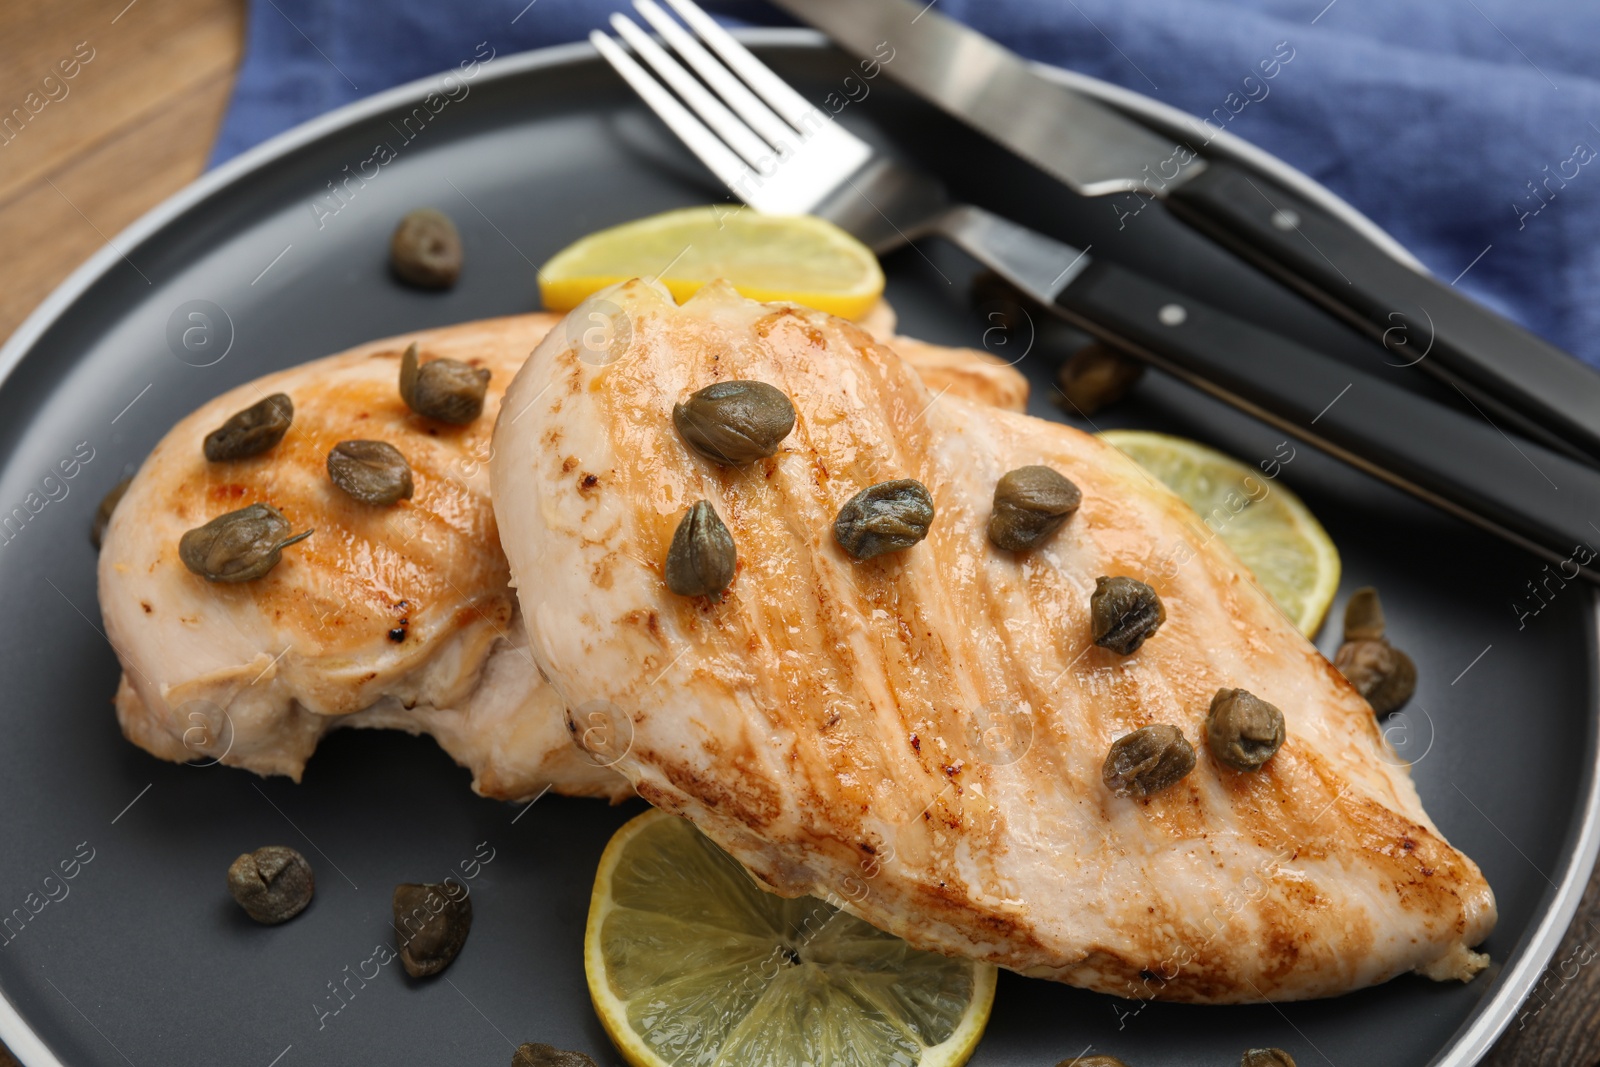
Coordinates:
[1079,140]
[1539,390]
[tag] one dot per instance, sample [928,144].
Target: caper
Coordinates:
[1092,1061]
[1123,613]
[431,923]
[1242,730]
[1000,302]
[272,884]
[240,546]
[443,389]
[702,558]
[1030,504]
[374,472]
[886,517]
[542,1055]
[1095,377]
[102,514]
[426,250]
[1147,761]
[1363,616]
[1379,671]
[1266,1057]
[735,422]
[251,431]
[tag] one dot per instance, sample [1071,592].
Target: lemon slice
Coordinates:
[691,962]
[1271,531]
[796,258]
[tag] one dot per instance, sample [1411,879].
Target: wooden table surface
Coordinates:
[135,124]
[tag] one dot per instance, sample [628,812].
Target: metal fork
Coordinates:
[783,155]
[780,154]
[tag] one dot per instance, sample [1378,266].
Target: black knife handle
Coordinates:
[1546,392]
[1457,461]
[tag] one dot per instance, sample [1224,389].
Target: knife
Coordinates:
[1542,391]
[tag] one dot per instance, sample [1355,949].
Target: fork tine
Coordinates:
[691,131]
[738,96]
[806,164]
[723,122]
[794,108]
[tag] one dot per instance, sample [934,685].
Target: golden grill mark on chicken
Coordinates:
[921,736]
[398,617]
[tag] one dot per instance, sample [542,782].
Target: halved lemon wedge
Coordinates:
[795,258]
[691,962]
[1265,524]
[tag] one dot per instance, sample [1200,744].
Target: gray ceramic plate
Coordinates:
[141,958]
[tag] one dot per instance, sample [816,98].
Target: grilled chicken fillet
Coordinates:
[920,737]
[399,617]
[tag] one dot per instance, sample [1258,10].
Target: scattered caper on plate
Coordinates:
[102,514]
[272,884]
[1030,504]
[542,1055]
[425,250]
[886,517]
[702,558]
[373,472]
[1266,1057]
[431,923]
[1147,761]
[443,389]
[251,431]
[1095,377]
[240,546]
[735,422]
[1242,730]
[1363,616]
[1381,673]
[1123,614]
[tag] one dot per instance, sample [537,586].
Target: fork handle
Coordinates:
[1463,464]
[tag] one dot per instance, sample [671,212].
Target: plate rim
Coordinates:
[1535,948]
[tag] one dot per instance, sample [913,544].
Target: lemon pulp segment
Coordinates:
[689,961]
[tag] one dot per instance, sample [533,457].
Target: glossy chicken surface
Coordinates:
[920,737]
[399,617]
[969,372]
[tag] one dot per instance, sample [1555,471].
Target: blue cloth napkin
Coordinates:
[1466,128]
